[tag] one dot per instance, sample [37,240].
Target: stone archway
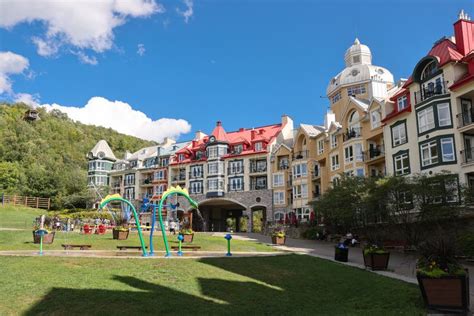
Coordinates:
[220,214]
[258,218]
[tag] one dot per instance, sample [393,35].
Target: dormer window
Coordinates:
[375,118]
[238,149]
[429,70]
[402,102]
[258,146]
[181,157]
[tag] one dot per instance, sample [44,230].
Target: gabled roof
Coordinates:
[445,51]
[363,104]
[102,147]
[312,130]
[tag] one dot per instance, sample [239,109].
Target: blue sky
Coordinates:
[243,62]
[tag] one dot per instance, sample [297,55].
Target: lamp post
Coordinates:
[228,237]
[41,233]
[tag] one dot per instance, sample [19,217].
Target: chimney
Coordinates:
[285,119]
[253,133]
[241,129]
[464,33]
[328,119]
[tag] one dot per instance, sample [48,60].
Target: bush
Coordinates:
[465,244]
[311,233]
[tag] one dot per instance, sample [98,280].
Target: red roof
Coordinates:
[446,51]
[246,137]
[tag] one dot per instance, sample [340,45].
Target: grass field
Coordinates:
[22,218]
[284,284]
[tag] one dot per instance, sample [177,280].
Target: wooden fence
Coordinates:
[28,201]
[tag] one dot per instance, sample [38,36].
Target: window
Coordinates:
[160,189]
[444,115]
[221,150]
[284,163]
[278,179]
[258,146]
[215,167]
[355,90]
[399,134]
[356,59]
[212,152]
[375,118]
[159,175]
[196,171]
[300,170]
[426,120]
[236,167]
[303,213]
[215,184]
[165,162]
[429,153]
[334,162]
[336,97]
[300,191]
[401,164]
[316,170]
[320,146]
[336,180]
[129,179]
[238,149]
[333,141]
[447,149]
[359,155]
[100,165]
[360,172]
[348,154]
[279,197]
[181,157]
[196,187]
[236,184]
[429,70]
[279,216]
[402,102]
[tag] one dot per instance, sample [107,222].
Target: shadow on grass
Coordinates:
[288,284]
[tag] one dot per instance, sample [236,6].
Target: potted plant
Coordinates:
[443,282]
[279,236]
[188,234]
[341,252]
[375,257]
[121,229]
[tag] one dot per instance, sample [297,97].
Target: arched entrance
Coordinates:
[259,218]
[219,215]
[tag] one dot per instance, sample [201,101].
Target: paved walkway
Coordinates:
[401,266]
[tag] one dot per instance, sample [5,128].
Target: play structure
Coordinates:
[171,192]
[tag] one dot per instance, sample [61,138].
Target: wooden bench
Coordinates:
[130,247]
[193,248]
[82,247]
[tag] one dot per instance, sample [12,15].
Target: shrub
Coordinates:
[465,244]
[311,233]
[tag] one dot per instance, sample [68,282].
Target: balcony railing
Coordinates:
[315,174]
[235,188]
[430,90]
[303,154]
[258,186]
[465,118]
[116,185]
[353,132]
[181,177]
[467,155]
[147,181]
[373,153]
[235,170]
[196,175]
[256,168]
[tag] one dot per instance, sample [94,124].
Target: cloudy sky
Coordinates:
[154,69]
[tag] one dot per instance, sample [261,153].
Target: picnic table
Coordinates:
[130,247]
[193,248]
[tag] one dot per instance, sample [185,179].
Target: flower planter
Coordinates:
[278,240]
[447,293]
[188,237]
[341,254]
[47,239]
[376,261]
[120,234]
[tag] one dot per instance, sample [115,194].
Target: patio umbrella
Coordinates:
[311,217]
[287,219]
[293,219]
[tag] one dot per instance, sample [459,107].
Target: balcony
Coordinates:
[316,195]
[147,181]
[196,175]
[373,154]
[315,174]
[303,154]
[353,132]
[258,186]
[258,167]
[116,185]
[235,188]
[232,171]
[467,155]
[465,119]
[179,178]
[430,90]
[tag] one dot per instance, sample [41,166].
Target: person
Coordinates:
[173,227]
[348,240]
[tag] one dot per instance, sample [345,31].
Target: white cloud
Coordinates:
[188,13]
[85,59]
[141,49]
[27,98]
[10,64]
[83,24]
[121,117]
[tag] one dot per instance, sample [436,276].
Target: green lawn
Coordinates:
[289,284]
[22,218]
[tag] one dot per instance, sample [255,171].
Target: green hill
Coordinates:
[47,157]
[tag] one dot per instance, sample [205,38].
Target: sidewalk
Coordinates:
[401,266]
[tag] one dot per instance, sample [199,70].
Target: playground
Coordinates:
[257,278]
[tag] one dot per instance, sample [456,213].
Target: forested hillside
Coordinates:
[48,157]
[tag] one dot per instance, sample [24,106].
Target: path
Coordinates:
[401,266]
